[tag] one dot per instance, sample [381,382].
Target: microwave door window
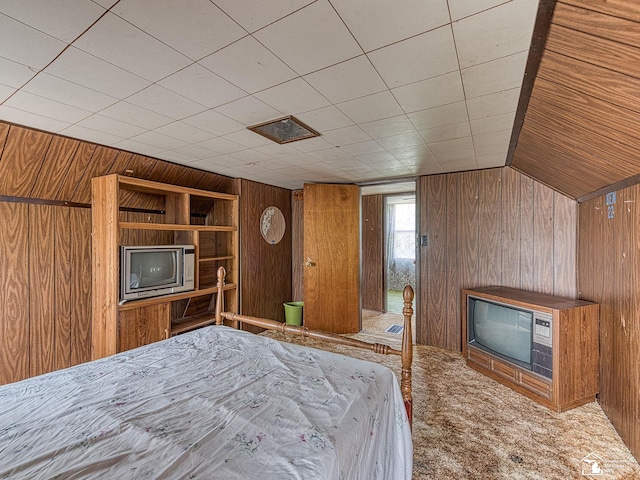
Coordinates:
[152,269]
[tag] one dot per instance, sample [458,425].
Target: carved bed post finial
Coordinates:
[407,351]
[220,295]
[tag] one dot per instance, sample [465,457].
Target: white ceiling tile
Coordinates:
[110,126]
[424,56]
[447,132]
[249,111]
[430,93]
[494,33]
[251,155]
[183,131]
[456,144]
[46,107]
[129,113]
[120,43]
[248,139]
[84,69]
[5,92]
[293,97]
[13,74]
[345,136]
[137,147]
[493,104]
[374,158]
[463,8]
[193,27]
[491,161]
[331,155]
[326,118]
[195,152]
[175,157]
[371,108]
[221,145]
[273,149]
[493,140]
[33,120]
[412,154]
[63,91]
[202,86]
[255,15]
[165,102]
[458,160]
[401,141]
[26,45]
[493,124]
[213,122]
[310,39]
[495,76]
[106,3]
[347,80]
[309,145]
[90,135]
[388,127]
[376,23]
[439,116]
[249,65]
[362,148]
[155,139]
[62,19]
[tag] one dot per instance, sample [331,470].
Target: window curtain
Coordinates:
[400,271]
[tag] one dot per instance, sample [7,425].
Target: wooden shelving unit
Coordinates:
[214,234]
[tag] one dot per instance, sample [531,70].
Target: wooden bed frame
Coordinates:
[406,353]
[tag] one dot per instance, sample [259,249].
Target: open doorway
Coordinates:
[400,248]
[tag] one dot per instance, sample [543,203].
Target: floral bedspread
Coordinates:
[216,403]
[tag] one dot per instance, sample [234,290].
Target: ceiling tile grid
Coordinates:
[430,87]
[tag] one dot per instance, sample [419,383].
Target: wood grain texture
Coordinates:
[297,238]
[55,168]
[80,234]
[454,335]
[22,158]
[617,8]
[543,234]
[373,291]
[62,287]
[14,292]
[76,170]
[141,326]
[101,162]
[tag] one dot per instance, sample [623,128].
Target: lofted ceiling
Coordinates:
[396,89]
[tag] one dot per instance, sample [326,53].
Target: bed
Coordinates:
[217,402]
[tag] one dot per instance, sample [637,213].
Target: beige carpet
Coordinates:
[467,426]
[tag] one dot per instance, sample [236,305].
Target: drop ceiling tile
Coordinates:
[439,116]
[5,92]
[495,76]
[141,117]
[25,45]
[331,155]
[195,152]
[491,161]
[120,43]
[248,65]
[326,118]
[495,33]
[160,141]
[84,69]
[202,86]
[430,93]
[447,132]
[165,102]
[493,104]
[250,155]
[493,140]
[106,3]
[309,145]
[463,8]
[354,78]
[371,108]
[248,139]
[131,145]
[195,29]
[388,127]
[401,141]
[255,15]
[428,169]
[249,111]
[410,154]
[176,157]
[375,24]
[310,39]
[110,126]
[22,117]
[90,135]
[213,122]
[62,91]
[293,97]
[362,148]
[275,150]
[183,131]
[375,158]
[495,123]
[13,74]
[457,160]
[454,145]
[345,136]
[221,145]
[46,107]
[418,58]
[64,20]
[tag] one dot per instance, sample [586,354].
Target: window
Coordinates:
[404,231]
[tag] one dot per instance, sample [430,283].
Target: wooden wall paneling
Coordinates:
[422,270]
[373,232]
[101,162]
[468,194]
[74,174]
[80,234]
[62,286]
[565,216]
[14,292]
[511,228]
[297,250]
[543,234]
[41,289]
[452,304]
[4,133]
[617,8]
[22,158]
[489,232]
[527,244]
[55,168]
[435,314]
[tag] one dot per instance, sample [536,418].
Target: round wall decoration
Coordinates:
[272,225]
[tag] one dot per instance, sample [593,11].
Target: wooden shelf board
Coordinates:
[216,259]
[175,296]
[177,227]
[148,186]
[189,323]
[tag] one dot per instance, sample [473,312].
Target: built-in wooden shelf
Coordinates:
[176,227]
[173,297]
[186,324]
[215,259]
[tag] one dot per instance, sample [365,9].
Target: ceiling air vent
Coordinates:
[284,130]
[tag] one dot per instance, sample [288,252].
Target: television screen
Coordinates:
[152,268]
[502,329]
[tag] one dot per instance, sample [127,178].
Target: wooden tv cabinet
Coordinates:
[575,349]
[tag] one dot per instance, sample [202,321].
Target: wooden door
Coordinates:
[331,272]
[143,325]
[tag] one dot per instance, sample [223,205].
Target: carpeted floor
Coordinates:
[467,426]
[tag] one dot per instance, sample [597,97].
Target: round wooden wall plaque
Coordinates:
[272,225]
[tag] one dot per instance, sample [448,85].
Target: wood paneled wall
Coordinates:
[265,269]
[297,245]
[373,252]
[489,227]
[609,274]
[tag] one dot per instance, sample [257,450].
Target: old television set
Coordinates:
[155,270]
[518,335]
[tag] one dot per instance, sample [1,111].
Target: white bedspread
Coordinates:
[216,403]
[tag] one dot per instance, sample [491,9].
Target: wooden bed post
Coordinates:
[220,295]
[407,352]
